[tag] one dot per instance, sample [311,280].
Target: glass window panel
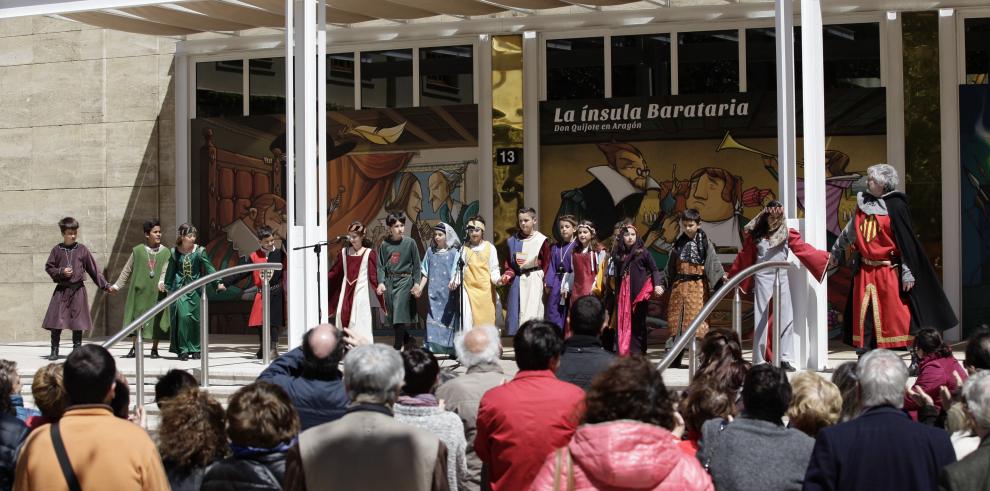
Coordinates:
[386,78]
[340,81]
[708,62]
[641,65]
[761,59]
[575,68]
[266,86]
[977,51]
[852,55]
[220,88]
[446,75]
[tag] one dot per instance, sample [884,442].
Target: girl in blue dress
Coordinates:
[439,269]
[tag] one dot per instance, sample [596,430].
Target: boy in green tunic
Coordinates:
[189,262]
[146,270]
[398,273]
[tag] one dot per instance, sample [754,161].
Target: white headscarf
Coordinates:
[453,242]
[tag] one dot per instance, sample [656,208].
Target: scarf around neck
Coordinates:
[693,251]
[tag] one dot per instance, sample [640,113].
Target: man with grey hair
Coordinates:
[367,448]
[895,289]
[973,472]
[882,448]
[478,350]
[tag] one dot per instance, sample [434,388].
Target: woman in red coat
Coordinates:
[937,368]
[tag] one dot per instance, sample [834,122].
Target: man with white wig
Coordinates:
[973,472]
[895,289]
[479,350]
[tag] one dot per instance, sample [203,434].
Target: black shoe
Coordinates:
[130,354]
[257,355]
[195,356]
[54,354]
[787,367]
[183,356]
[154,353]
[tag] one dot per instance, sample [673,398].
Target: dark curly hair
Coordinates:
[192,433]
[721,362]
[261,415]
[632,388]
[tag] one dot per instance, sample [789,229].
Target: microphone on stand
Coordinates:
[340,238]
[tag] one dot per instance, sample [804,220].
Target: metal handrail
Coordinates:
[204,322]
[688,336]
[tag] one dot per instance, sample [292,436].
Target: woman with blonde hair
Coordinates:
[49,395]
[815,403]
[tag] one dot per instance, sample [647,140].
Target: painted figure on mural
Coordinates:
[768,238]
[895,289]
[616,191]
[399,271]
[407,199]
[560,267]
[481,275]
[524,270]
[67,265]
[439,268]
[443,183]
[267,253]
[240,238]
[188,263]
[693,272]
[144,271]
[352,281]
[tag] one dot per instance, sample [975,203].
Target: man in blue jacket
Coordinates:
[882,448]
[311,376]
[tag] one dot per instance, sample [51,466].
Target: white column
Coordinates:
[183,184]
[486,165]
[951,171]
[294,277]
[784,23]
[307,190]
[322,297]
[815,320]
[531,122]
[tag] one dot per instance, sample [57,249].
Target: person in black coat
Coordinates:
[883,448]
[584,357]
[311,377]
[972,473]
[262,426]
[12,434]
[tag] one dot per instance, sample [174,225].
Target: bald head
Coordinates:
[322,340]
[478,346]
[322,351]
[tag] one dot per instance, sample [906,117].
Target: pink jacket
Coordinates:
[623,455]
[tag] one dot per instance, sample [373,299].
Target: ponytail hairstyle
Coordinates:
[930,341]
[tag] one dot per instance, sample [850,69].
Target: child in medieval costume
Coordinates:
[895,289]
[524,270]
[268,253]
[588,264]
[480,273]
[560,267]
[439,268]
[692,273]
[637,279]
[767,238]
[67,265]
[189,262]
[145,269]
[399,264]
[353,279]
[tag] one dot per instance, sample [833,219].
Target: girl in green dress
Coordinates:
[189,262]
[145,270]
[398,274]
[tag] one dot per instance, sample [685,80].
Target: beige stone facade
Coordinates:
[86,130]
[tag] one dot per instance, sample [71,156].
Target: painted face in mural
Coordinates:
[415,205]
[272,217]
[439,190]
[632,167]
[566,230]
[706,197]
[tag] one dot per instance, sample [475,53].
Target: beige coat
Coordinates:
[106,452]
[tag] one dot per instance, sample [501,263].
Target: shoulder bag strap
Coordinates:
[63,459]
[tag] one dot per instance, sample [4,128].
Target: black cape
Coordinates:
[593,202]
[926,300]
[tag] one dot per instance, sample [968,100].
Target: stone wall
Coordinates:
[86,130]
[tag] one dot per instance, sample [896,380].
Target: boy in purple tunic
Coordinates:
[69,307]
[560,268]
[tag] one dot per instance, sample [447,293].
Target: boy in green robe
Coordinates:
[145,269]
[398,273]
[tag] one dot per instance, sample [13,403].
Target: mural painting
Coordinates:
[974,151]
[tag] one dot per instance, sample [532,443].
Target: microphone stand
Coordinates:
[317,248]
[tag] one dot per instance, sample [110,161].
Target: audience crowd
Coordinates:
[339,412]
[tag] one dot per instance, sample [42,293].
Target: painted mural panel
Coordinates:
[974,151]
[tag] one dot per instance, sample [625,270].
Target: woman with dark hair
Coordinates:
[628,438]
[12,434]
[262,425]
[353,278]
[192,436]
[636,279]
[846,379]
[702,403]
[935,369]
[417,406]
[721,364]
